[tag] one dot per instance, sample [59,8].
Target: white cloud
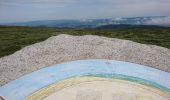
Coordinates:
[159,21]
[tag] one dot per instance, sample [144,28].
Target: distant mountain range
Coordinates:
[99,23]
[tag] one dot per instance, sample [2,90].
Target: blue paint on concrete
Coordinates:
[24,86]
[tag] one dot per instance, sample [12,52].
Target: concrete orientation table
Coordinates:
[96,79]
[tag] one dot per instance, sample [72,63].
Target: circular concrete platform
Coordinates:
[91,80]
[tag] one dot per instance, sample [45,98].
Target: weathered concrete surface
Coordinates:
[64,48]
[105,90]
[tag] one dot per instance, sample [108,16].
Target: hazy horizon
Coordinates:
[31,10]
[81,19]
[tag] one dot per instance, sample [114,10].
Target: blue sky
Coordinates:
[28,10]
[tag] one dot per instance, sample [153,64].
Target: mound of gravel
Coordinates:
[64,48]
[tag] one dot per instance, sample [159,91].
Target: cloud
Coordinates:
[159,21]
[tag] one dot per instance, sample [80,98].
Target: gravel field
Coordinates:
[63,48]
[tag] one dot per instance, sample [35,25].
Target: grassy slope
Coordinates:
[15,38]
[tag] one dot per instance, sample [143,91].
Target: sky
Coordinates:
[30,10]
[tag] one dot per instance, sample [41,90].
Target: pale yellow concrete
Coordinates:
[94,88]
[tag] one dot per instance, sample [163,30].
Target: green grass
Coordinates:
[13,38]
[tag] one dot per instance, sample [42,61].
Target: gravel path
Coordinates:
[62,48]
